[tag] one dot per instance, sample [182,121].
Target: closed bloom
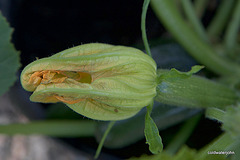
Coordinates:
[99,81]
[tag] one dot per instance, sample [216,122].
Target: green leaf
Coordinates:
[221,143]
[215,114]
[231,120]
[152,134]
[178,74]
[9,57]
[235,147]
[57,128]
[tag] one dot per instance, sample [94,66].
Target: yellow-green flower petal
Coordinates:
[100,81]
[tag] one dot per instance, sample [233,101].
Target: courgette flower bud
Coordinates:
[99,81]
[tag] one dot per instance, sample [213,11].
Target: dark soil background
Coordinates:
[43,27]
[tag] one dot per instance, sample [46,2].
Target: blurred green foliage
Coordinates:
[9,57]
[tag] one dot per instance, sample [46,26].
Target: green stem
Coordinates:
[56,128]
[235,146]
[197,26]
[200,6]
[103,139]
[219,144]
[143,27]
[233,28]
[220,19]
[201,51]
[215,113]
[193,91]
[183,134]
